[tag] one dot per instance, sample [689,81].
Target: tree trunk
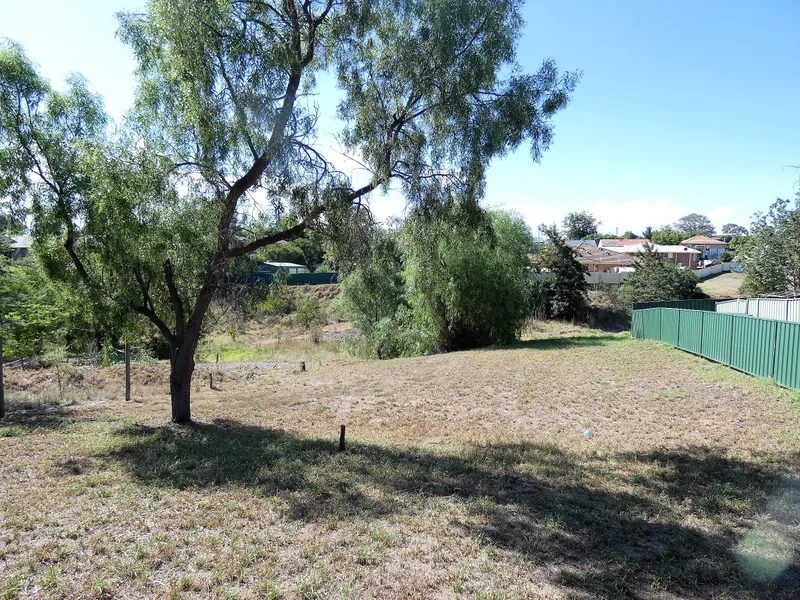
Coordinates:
[180,382]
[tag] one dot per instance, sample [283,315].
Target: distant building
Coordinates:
[19,245]
[617,243]
[289,268]
[710,248]
[602,260]
[679,254]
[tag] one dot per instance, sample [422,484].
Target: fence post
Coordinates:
[2,388]
[730,354]
[127,373]
[678,340]
[702,327]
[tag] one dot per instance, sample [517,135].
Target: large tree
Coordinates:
[770,256]
[733,229]
[578,225]
[694,224]
[225,120]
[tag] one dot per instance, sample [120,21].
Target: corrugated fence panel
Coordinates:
[717,329]
[637,325]
[735,307]
[652,324]
[793,311]
[772,308]
[753,346]
[787,355]
[691,331]
[670,318]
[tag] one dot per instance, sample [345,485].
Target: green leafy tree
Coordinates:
[456,281]
[647,233]
[733,229]
[770,257]
[694,224]
[467,282]
[656,279]
[666,236]
[579,225]
[151,220]
[564,275]
[373,292]
[629,235]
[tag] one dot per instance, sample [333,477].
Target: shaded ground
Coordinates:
[466,476]
[724,285]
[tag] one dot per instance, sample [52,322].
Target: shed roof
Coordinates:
[589,254]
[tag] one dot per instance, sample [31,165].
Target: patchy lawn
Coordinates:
[466,476]
[724,285]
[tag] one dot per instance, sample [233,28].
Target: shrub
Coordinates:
[656,280]
[454,282]
[310,314]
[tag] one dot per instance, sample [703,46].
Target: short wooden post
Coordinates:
[302,366]
[341,438]
[2,388]
[217,357]
[211,380]
[127,373]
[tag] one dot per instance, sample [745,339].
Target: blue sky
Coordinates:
[683,106]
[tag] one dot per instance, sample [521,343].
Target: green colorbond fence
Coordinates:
[760,347]
[294,279]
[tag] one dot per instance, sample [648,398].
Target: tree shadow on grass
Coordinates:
[568,342]
[27,418]
[626,527]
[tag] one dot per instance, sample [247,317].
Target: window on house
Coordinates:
[669,255]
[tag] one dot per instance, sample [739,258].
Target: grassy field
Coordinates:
[466,476]
[725,285]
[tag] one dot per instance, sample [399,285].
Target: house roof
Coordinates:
[590,254]
[657,248]
[622,242]
[703,240]
[577,243]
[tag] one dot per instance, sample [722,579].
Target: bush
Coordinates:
[310,314]
[441,284]
[657,280]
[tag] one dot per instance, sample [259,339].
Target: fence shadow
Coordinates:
[545,505]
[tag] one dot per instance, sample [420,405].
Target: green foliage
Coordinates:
[694,224]
[770,257]
[656,279]
[666,236]
[564,278]
[580,225]
[452,282]
[149,221]
[647,233]
[279,300]
[35,312]
[310,313]
[734,229]
[467,284]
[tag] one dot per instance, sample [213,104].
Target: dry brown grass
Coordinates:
[466,476]
[725,285]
